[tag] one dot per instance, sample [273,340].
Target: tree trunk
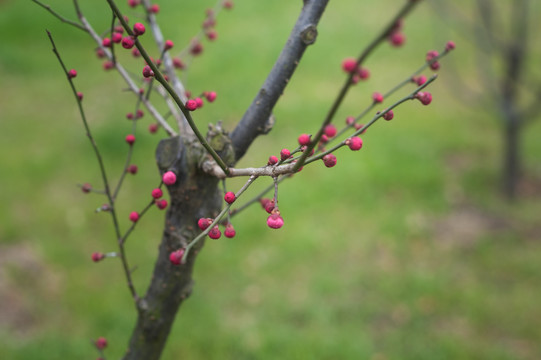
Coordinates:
[194,195]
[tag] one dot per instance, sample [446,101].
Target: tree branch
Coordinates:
[256,117]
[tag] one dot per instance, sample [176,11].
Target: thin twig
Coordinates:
[341,95]
[158,75]
[60,17]
[102,171]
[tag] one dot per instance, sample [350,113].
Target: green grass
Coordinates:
[404,250]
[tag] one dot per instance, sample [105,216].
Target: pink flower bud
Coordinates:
[101,343]
[329,160]
[169,178]
[116,37]
[134,216]
[168,44]
[229,231]
[377,97]
[130,139]
[349,65]
[204,223]
[230,197]
[275,221]
[388,115]
[273,160]
[304,139]
[154,9]
[211,96]
[450,46]
[215,233]
[355,143]
[177,63]
[157,193]
[176,257]
[161,204]
[397,39]
[132,169]
[97,256]
[330,130]
[191,105]
[147,71]
[285,154]
[138,29]
[128,42]
[72,73]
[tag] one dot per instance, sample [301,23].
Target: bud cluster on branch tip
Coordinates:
[424,97]
[275,221]
[304,139]
[377,97]
[191,105]
[147,71]
[389,115]
[229,231]
[329,160]
[215,233]
[354,143]
[130,139]
[101,343]
[176,257]
[132,169]
[161,204]
[97,256]
[273,160]
[138,29]
[169,178]
[168,45]
[285,154]
[157,193]
[204,223]
[396,37]
[230,197]
[72,73]
[134,216]
[86,188]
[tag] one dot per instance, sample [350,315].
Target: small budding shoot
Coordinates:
[157,193]
[329,160]
[191,105]
[389,115]
[304,139]
[169,178]
[101,343]
[204,223]
[130,139]
[138,29]
[275,221]
[285,154]
[210,96]
[132,169]
[147,72]
[229,231]
[354,143]
[349,65]
[134,216]
[97,256]
[161,204]
[128,42]
[230,197]
[215,233]
[424,97]
[86,188]
[273,160]
[176,257]
[377,97]
[330,130]
[168,45]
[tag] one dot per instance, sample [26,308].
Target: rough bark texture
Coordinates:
[194,195]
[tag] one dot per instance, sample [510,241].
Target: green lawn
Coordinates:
[404,250]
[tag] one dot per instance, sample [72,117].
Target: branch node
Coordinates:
[309,34]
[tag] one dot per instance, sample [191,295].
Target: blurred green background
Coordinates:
[404,250]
